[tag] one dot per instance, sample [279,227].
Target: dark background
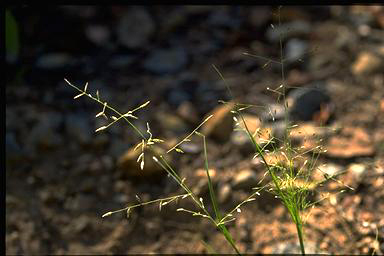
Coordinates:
[61,176]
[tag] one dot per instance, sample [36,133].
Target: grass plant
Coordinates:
[288,183]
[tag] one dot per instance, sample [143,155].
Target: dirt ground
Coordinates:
[61,176]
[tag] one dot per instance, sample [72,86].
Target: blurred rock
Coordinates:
[13,151]
[121,61]
[190,147]
[98,34]
[242,140]
[128,162]
[273,113]
[352,142]
[357,169]
[187,111]
[244,179]
[173,123]
[295,49]
[309,135]
[166,61]
[135,28]
[296,28]
[329,169]
[44,137]
[252,122]
[258,16]
[220,125]
[54,61]
[366,63]
[305,103]
[117,146]
[224,193]
[294,248]
[222,17]
[79,128]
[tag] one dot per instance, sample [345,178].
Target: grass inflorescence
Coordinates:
[288,182]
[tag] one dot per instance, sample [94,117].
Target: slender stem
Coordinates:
[299,228]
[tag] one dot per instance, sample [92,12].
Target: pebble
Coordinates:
[12,148]
[170,122]
[273,112]
[78,128]
[187,111]
[224,193]
[98,34]
[220,125]
[128,163]
[244,179]
[135,28]
[54,61]
[366,63]
[357,169]
[288,30]
[352,142]
[166,61]
[295,49]
[304,103]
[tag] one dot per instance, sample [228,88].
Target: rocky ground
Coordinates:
[61,176]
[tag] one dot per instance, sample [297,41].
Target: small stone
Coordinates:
[243,141]
[171,122]
[295,49]
[121,61]
[54,61]
[357,169]
[190,148]
[166,61]
[98,34]
[220,125]
[202,173]
[251,121]
[135,28]
[305,103]
[308,135]
[288,30]
[258,16]
[187,111]
[352,142]
[13,150]
[43,136]
[245,179]
[274,112]
[79,128]
[224,193]
[366,63]
[328,169]
[128,162]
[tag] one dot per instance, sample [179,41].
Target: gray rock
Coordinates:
[121,61]
[190,147]
[273,112]
[98,34]
[135,28]
[54,61]
[305,102]
[295,49]
[44,134]
[166,61]
[13,151]
[288,30]
[294,248]
[79,128]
